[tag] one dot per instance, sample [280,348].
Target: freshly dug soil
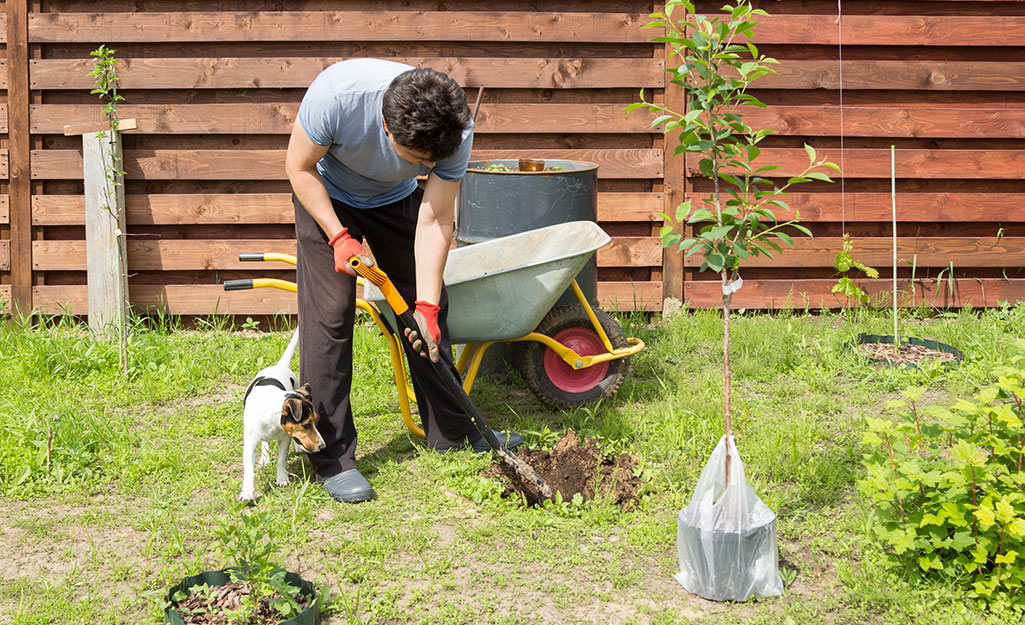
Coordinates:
[572,467]
[906,353]
[204,609]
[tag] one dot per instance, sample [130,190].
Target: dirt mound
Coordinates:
[572,467]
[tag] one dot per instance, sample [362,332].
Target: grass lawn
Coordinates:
[142,469]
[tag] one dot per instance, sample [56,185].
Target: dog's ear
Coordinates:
[306,391]
[292,410]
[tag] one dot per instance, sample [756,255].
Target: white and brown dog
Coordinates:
[275,410]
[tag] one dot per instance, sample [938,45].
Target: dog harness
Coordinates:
[263,381]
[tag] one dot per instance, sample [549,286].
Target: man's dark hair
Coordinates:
[426,111]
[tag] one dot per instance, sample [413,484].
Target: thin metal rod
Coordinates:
[893,201]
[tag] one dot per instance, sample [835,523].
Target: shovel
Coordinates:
[398,305]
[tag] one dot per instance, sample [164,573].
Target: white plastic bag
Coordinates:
[726,537]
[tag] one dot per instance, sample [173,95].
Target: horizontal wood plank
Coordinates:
[3,68]
[205,299]
[191,26]
[4,164]
[3,118]
[263,208]
[630,296]
[5,209]
[897,75]
[995,164]
[637,206]
[631,252]
[815,294]
[5,298]
[890,121]
[890,30]
[166,255]
[911,207]
[5,255]
[299,72]
[278,118]
[221,254]
[270,164]
[878,252]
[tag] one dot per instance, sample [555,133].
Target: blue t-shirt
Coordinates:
[342,109]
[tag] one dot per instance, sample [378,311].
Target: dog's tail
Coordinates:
[286,358]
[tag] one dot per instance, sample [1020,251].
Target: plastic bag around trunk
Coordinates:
[726,537]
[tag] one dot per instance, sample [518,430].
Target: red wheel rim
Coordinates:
[586,343]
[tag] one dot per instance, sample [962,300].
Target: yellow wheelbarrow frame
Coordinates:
[472,354]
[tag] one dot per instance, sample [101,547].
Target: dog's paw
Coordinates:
[246,494]
[282,481]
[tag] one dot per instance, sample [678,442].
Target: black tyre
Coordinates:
[556,383]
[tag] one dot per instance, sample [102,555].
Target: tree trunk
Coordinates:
[726,300]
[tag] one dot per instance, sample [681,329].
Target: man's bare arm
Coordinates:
[301,167]
[434,229]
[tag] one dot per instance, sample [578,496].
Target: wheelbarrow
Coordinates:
[503,290]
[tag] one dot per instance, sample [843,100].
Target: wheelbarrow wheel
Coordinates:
[556,383]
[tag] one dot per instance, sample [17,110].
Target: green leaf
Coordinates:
[683,210]
[670,239]
[811,152]
[1007,558]
[930,562]
[701,214]
[661,119]
[1004,510]
[1016,528]
[716,232]
[715,261]
[985,516]
[817,175]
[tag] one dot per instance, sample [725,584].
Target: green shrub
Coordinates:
[946,487]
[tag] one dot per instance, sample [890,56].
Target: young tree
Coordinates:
[737,221]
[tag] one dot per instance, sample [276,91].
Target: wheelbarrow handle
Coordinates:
[238,285]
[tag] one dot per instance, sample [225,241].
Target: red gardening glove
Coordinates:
[427,336]
[345,248]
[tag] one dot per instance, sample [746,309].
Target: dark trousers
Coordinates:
[327,309]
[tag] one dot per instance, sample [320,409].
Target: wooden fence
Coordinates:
[215,91]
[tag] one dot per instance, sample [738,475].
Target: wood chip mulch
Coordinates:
[906,353]
[207,609]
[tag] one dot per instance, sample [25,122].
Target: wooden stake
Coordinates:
[106,256]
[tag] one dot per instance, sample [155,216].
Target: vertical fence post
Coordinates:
[19,155]
[674,180]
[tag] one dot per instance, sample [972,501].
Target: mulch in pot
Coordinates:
[912,351]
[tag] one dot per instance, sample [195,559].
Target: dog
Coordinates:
[275,410]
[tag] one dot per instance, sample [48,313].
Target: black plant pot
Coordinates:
[309,616]
[726,565]
[887,339]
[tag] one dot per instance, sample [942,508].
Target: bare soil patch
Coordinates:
[572,467]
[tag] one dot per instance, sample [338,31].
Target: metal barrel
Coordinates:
[496,199]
